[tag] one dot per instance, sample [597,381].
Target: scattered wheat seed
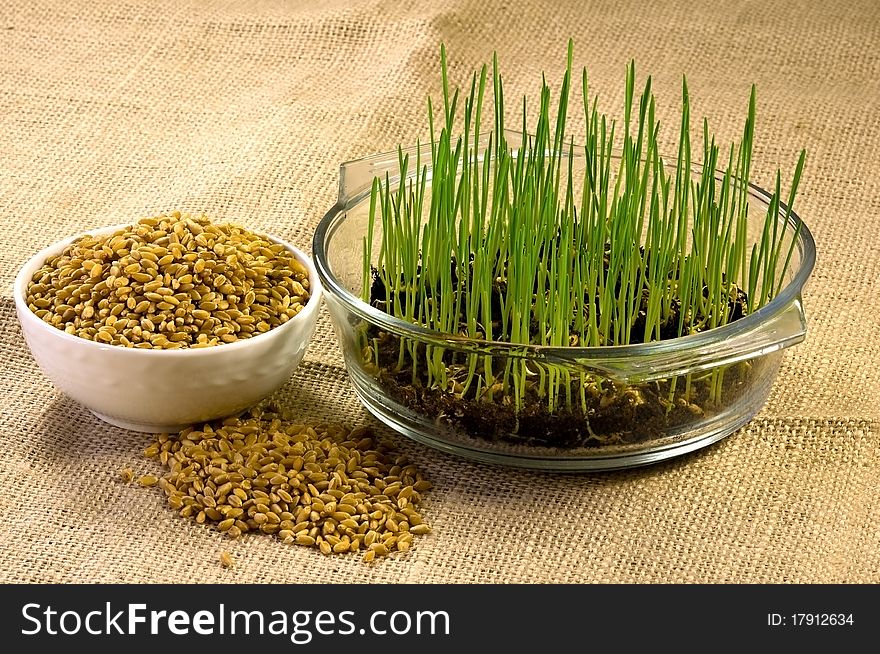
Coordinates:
[263,472]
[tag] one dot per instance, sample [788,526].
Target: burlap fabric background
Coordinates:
[114,110]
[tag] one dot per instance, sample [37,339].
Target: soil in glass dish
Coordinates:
[600,412]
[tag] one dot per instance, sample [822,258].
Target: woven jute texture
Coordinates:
[110,111]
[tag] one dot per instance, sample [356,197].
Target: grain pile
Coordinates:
[316,485]
[169,282]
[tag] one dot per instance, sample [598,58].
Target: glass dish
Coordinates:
[626,384]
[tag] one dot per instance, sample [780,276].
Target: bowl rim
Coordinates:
[688,343]
[25,315]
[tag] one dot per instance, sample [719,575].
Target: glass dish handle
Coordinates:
[784,329]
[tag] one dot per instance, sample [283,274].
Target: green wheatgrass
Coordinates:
[645,236]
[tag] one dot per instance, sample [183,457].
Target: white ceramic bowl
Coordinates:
[166,390]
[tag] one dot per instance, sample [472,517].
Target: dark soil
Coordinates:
[615,414]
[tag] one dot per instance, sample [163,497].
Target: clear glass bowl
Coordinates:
[648,402]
